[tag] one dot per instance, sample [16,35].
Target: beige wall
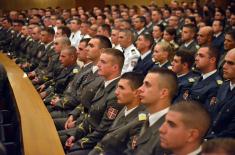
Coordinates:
[25,4]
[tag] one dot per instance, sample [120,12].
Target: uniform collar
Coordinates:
[106,83]
[145,54]
[157,115]
[216,35]
[196,152]
[188,43]
[232,86]
[127,112]
[140,31]
[204,76]
[94,69]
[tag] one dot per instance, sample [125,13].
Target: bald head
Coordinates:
[205,35]
[229,66]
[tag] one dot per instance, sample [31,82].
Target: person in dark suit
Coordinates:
[3,82]
[162,53]
[103,108]
[218,38]
[156,93]
[127,95]
[182,64]
[205,88]
[182,132]
[223,114]
[144,44]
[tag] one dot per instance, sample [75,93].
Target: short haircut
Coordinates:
[142,19]
[170,79]
[221,22]
[135,79]
[194,115]
[129,33]
[214,52]
[161,27]
[78,21]
[219,145]
[106,27]
[232,34]
[149,38]
[171,31]
[192,19]
[49,30]
[71,50]
[65,30]
[166,47]
[192,27]
[118,56]
[186,57]
[85,40]
[64,40]
[104,41]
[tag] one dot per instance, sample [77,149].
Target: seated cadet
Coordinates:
[182,64]
[169,36]
[157,92]
[205,36]
[185,126]
[68,58]
[205,88]
[104,107]
[54,66]
[187,36]
[82,89]
[144,44]
[161,55]
[128,95]
[85,91]
[223,114]
[219,146]
[126,41]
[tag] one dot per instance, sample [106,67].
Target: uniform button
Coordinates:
[227,110]
[212,132]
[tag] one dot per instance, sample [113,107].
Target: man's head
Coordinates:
[162,52]
[144,43]
[75,25]
[95,46]
[63,31]
[60,43]
[206,59]
[185,125]
[47,35]
[110,63]
[219,146]
[156,15]
[125,38]
[36,33]
[182,62]
[85,27]
[82,51]
[205,35]
[188,32]
[217,26]
[173,21]
[127,89]
[139,23]
[104,30]
[158,89]
[68,56]
[229,40]
[158,31]
[229,66]
[114,36]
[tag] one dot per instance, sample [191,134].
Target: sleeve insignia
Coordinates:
[213,101]
[112,113]
[191,80]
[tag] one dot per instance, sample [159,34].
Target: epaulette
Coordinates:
[75,70]
[142,117]
[191,80]
[219,82]
[133,51]
[197,46]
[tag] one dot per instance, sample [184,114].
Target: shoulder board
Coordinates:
[219,82]
[191,80]
[75,70]
[142,117]
[133,51]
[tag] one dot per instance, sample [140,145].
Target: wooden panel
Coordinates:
[39,134]
[89,4]
[26,4]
